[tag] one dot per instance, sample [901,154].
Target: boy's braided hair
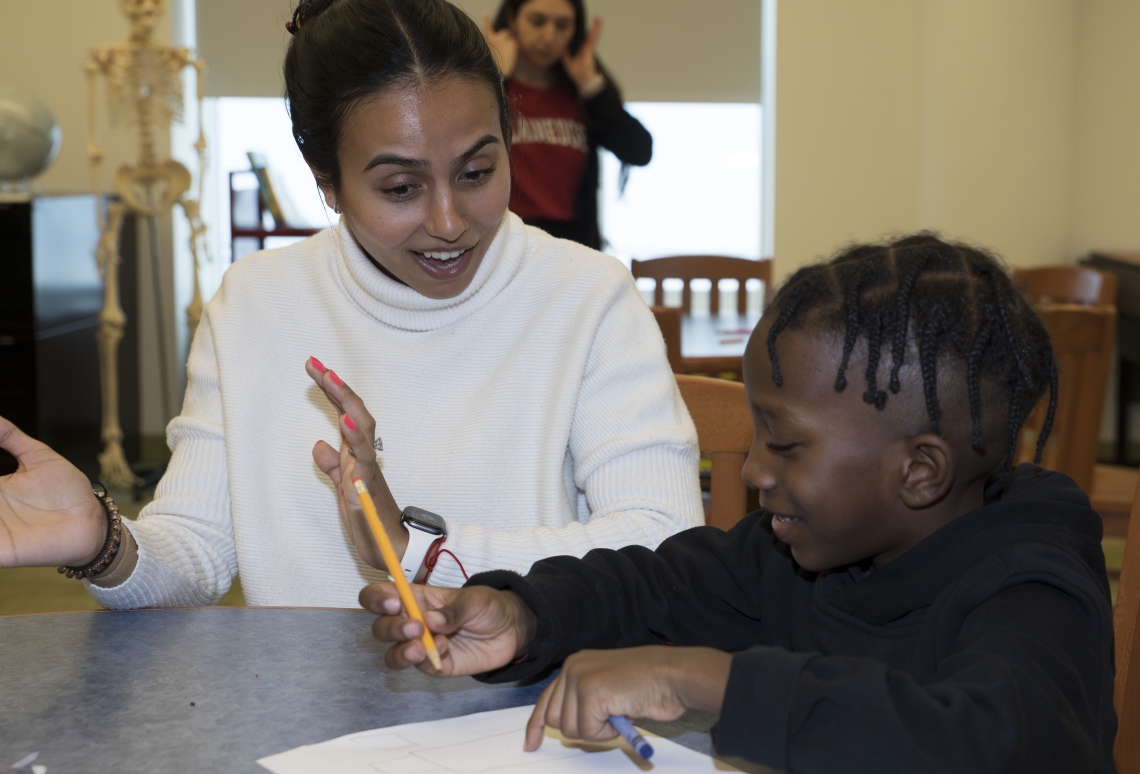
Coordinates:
[952,300]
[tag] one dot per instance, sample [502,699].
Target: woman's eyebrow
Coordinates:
[481,143]
[397,161]
[403,161]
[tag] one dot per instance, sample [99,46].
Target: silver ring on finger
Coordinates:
[378,445]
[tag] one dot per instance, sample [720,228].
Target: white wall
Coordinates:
[995,123]
[659,50]
[845,128]
[1106,162]
[1007,122]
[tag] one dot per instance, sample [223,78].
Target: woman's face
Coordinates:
[425,181]
[543,29]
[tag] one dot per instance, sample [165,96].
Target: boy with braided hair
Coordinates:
[905,600]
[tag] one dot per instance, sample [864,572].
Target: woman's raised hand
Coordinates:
[476,629]
[358,431]
[504,46]
[48,515]
[582,68]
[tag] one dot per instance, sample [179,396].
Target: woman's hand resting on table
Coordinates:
[358,431]
[48,515]
[476,629]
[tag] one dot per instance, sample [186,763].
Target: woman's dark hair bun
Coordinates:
[353,49]
[306,9]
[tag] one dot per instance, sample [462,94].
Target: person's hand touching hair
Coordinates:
[476,629]
[504,46]
[48,514]
[356,457]
[582,67]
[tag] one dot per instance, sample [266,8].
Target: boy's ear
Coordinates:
[929,473]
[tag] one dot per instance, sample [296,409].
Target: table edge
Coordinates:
[198,607]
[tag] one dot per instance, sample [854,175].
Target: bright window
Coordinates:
[244,124]
[700,195]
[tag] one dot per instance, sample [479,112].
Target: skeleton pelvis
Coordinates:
[151,189]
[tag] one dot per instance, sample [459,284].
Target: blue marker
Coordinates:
[629,733]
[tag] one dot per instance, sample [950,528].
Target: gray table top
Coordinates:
[214,689]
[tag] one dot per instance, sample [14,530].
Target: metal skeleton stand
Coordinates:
[143,86]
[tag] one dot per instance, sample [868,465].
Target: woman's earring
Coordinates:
[336,209]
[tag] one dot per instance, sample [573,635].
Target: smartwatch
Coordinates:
[425,529]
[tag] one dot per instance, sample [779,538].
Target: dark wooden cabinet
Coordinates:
[50,296]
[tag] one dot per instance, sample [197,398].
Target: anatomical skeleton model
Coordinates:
[144,91]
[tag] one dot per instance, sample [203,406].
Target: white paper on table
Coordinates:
[483,742]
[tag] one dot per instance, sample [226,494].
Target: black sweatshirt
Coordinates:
[985,648]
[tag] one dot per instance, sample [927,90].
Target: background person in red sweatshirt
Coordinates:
[565,106]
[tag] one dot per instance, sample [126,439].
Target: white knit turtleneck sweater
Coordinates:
[544,380]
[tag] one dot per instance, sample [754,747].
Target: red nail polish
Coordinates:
[349,423]
[336,379]
[317,364]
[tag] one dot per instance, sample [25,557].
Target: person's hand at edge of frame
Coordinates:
[48,514]
[476,629]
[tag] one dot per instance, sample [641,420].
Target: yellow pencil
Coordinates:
[397,574]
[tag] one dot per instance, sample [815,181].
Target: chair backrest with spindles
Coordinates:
[710,267]
[719,409]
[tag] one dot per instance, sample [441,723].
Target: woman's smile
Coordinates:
[444,265]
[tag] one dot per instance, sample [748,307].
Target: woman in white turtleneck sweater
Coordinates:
[518,381]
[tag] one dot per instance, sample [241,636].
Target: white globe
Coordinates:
[29,136]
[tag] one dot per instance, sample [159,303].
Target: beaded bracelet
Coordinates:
[110,546]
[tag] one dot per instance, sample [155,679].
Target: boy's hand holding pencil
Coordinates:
[475,629]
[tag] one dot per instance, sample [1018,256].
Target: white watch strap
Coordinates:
[418,544]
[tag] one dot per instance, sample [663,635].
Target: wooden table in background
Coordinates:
[715,343]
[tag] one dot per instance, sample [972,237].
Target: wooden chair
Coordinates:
[711,267]
[724,431]
[669,321]
[1111,486]
[1126,625]
[1082,342]
[1067,284]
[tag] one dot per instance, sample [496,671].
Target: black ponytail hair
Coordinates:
[344,51]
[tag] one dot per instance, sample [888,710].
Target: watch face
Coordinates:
[425,521]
